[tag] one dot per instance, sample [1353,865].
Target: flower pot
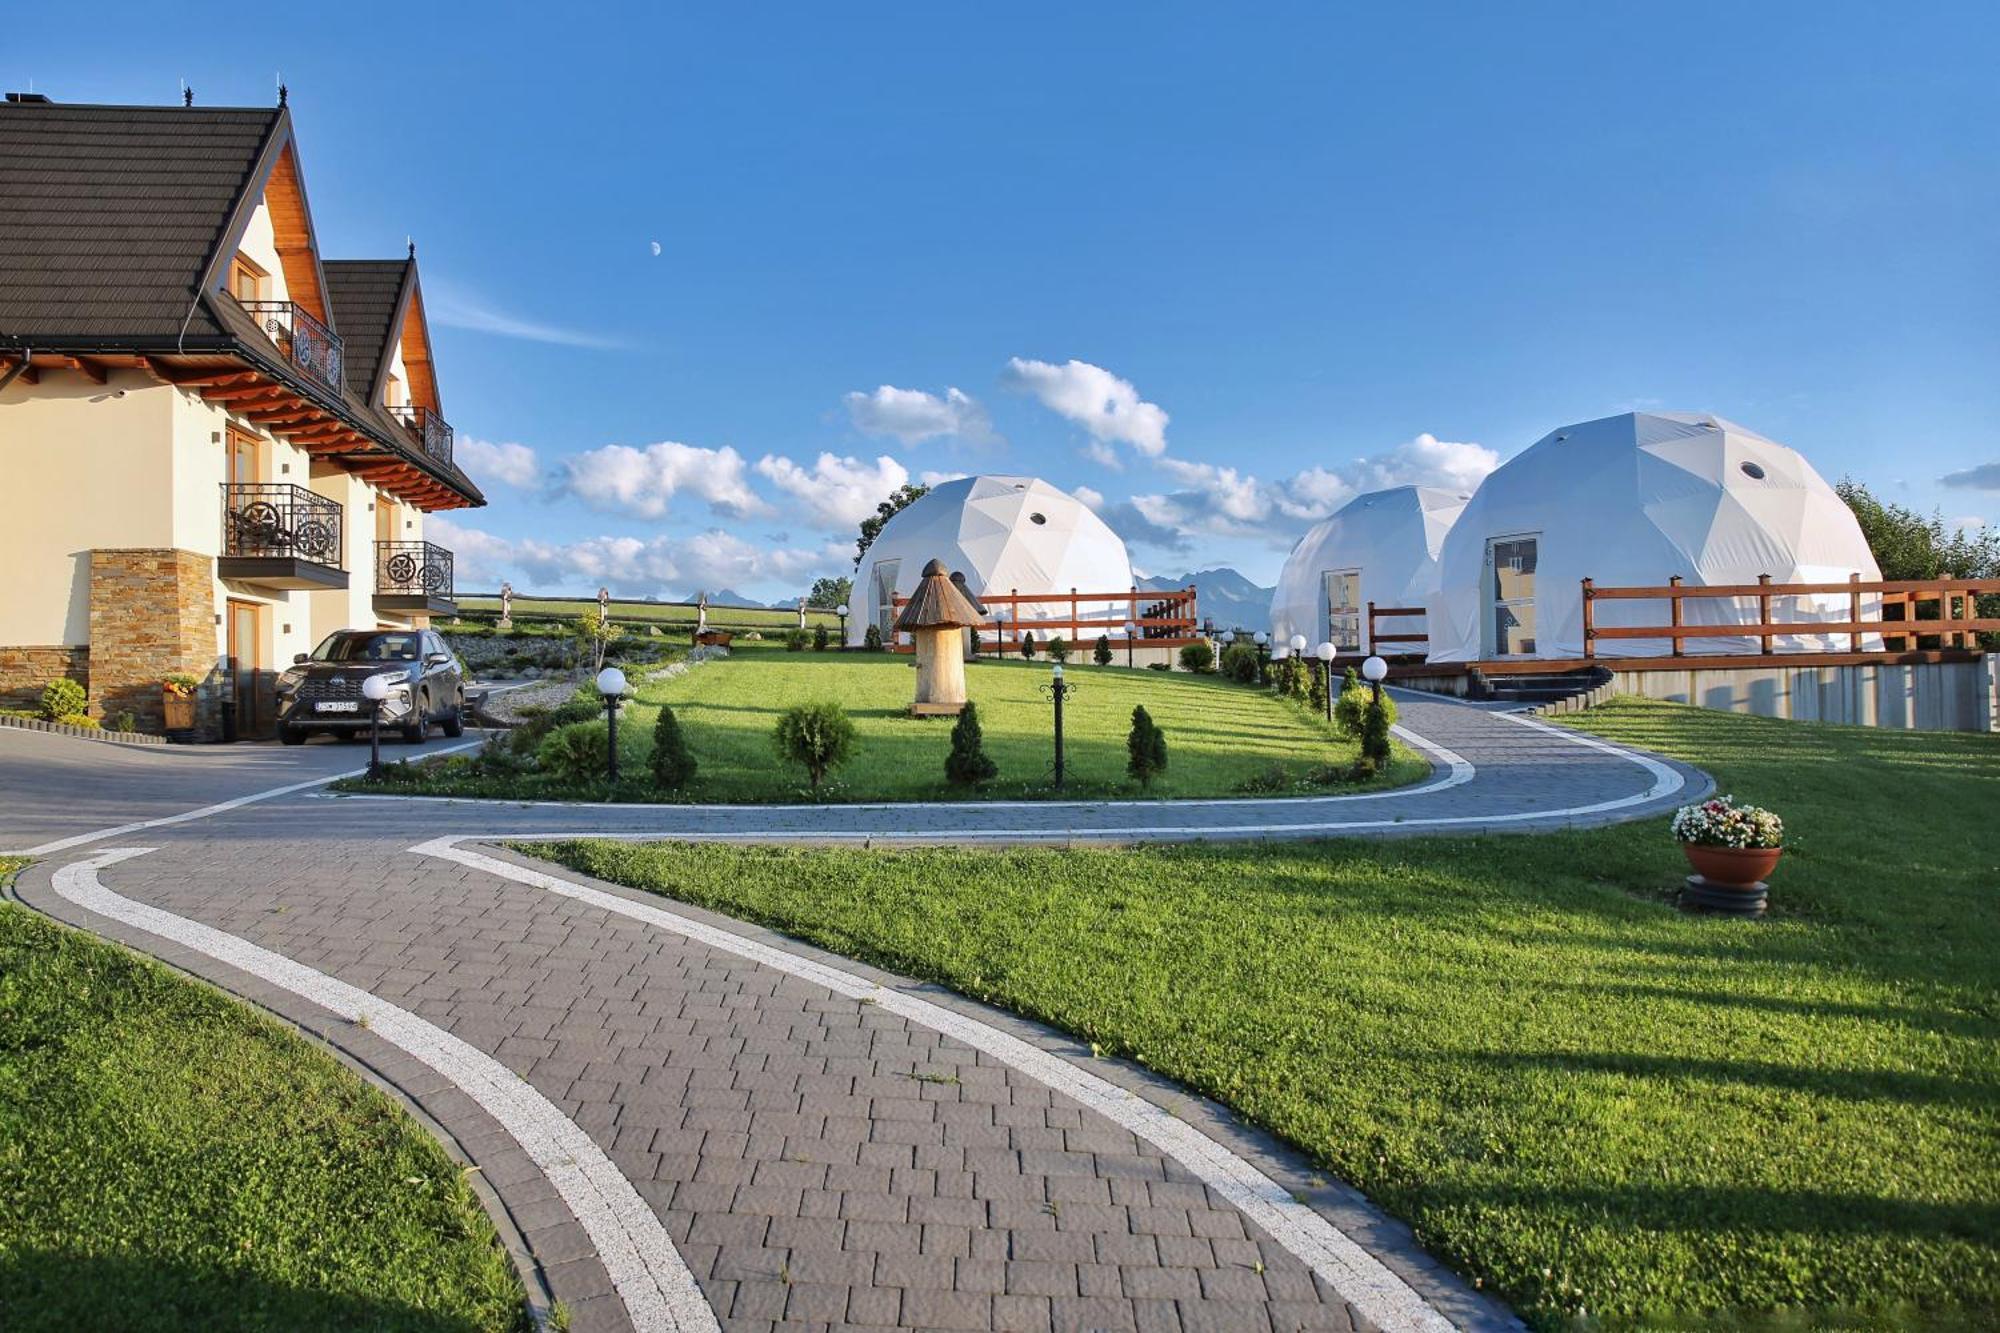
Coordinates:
[179,709]
[1732,867]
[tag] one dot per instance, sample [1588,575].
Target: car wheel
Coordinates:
[454,721]
[292,735]
[419,723]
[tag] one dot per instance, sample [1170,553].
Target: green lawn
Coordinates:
[1585,1100]
[171,1160]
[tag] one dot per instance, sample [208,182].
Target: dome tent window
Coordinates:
[1752,471]
[1343,609]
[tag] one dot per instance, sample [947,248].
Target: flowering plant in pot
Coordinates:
[1729,845]
[177,697]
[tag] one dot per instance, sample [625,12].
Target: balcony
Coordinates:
[413,578]
[310,345]
[431,432]
[278,535]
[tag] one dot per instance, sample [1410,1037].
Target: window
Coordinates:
[247,282]
[246,458]
[1510,564]
[1342,589]
[884,572]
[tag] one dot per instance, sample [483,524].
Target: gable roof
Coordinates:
[110,216]
[367,295]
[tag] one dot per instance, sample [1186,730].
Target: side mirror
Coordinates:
[437,659]
[300,659]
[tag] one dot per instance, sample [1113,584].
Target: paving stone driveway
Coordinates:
[816,1160]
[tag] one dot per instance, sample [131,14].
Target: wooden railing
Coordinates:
[1957,625]
[1419,643]
[1162,619]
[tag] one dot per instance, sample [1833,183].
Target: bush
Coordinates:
[1028,643]
[671,764]
[1159,666]
[871,638]
[1145,748]
[968,764]
[1289,678]
[1198,657]
[795,641]
[819,638]
[1240,661]
[1316,687]
[818,736]
[1101,654]
[126,722]
[1375,735]
[1058,649]
[575,753]
[1350,710]
[972,643]
[63,698]
[84,720]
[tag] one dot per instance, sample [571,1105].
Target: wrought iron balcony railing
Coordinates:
[311,345]
[431,431]
[412,569]
[277,518]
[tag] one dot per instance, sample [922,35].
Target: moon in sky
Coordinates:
[656,247]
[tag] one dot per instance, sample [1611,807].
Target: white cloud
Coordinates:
[1985,477]
[512,463]
[641,482]
[1091,499]
[1425,461]
[938,478]
[836,493]
[458,309]
[912,416]
[661,566]
[1103,404]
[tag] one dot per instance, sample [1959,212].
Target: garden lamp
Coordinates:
[842,613]
[611,684]
[1131,633]
[1375,670]
[1326,655]
[1298,643]
[1057,690]
[375,689]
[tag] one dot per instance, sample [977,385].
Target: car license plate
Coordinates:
[337,706]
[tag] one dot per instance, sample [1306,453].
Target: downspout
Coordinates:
[27,355]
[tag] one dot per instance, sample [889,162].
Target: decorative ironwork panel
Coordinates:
[413,569]
[431,432]
[309,344]
[276,518]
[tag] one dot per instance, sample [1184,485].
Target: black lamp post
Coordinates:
[1375,669]
[1131,633]
[1263,658]
[1326,658]
[375,689]
[1058,690]
[843,626]
[611,684]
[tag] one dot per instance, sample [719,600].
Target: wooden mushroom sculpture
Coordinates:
[934,617]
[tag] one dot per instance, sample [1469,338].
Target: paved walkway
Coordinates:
[685,1122]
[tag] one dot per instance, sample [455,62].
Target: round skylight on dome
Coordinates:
[1752,471]
[1038,518]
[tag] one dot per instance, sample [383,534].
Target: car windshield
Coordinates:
[368,648]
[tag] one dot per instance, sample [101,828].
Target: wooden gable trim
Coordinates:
[298,249]
[414,332]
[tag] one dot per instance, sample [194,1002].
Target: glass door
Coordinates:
[246,661]
[884,572]
[1342,589]
[1510,578]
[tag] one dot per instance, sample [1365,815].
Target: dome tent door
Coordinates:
[1510,581]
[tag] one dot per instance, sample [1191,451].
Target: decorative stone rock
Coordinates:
[933,617]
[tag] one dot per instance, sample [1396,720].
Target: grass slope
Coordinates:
[171,1160]
[1606,1110]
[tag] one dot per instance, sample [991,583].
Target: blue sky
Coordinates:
[1296,249]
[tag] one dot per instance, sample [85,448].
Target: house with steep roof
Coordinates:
[217,446]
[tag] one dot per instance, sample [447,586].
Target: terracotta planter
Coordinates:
[179,710]
[1732,867]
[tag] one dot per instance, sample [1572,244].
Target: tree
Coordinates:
[819,638]
[1101,654]
[830,594]
[673,767]
[1145,748]
[1909,546]
[968,764]
[1028,643]
[1375,735]
[817,736]
[1058,648]
[871,638]
[871,527]
[592,638]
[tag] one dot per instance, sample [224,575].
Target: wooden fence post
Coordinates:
[1764,610]
[1589,621]
[1854,612]
[1371,624]
[1075,630]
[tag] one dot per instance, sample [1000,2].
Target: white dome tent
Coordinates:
[1380,547]
[1003,534]
[1634,500]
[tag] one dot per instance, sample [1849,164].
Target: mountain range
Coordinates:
[1223,596]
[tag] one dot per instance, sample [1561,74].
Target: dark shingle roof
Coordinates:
[109,215]
[364,293]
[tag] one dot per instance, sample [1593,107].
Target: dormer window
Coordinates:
[247,281]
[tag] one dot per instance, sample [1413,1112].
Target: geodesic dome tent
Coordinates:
[1633,500]
[1380,547]
[1004,534]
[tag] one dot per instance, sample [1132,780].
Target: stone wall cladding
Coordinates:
[26,670]
[152,613]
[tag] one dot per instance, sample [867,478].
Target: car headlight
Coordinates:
[288,679]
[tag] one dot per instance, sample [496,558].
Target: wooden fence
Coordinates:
[1163,619]
[1407,644]
[1957,625]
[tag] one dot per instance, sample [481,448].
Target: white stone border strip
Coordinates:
[1360,1278]
[649,1275]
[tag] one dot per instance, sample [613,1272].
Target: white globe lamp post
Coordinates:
[375,689]
[611,684]
[1326,655]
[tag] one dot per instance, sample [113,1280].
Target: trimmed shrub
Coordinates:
[1289,677]
[574,754]
[871,638]
[817,736]
[1028,643]
[83,720]
[1239,663]
[968,764]
[63,698]
[795,641]
[125,722]
[671,764]
[1375,735]
[1350,710]
[1058,649]
[1198,657]
[1145,748]
[819,638]
[1315,686]
[1159,666]
[972,642]
[1101,654]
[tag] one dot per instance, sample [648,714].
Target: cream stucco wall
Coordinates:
[260,247]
